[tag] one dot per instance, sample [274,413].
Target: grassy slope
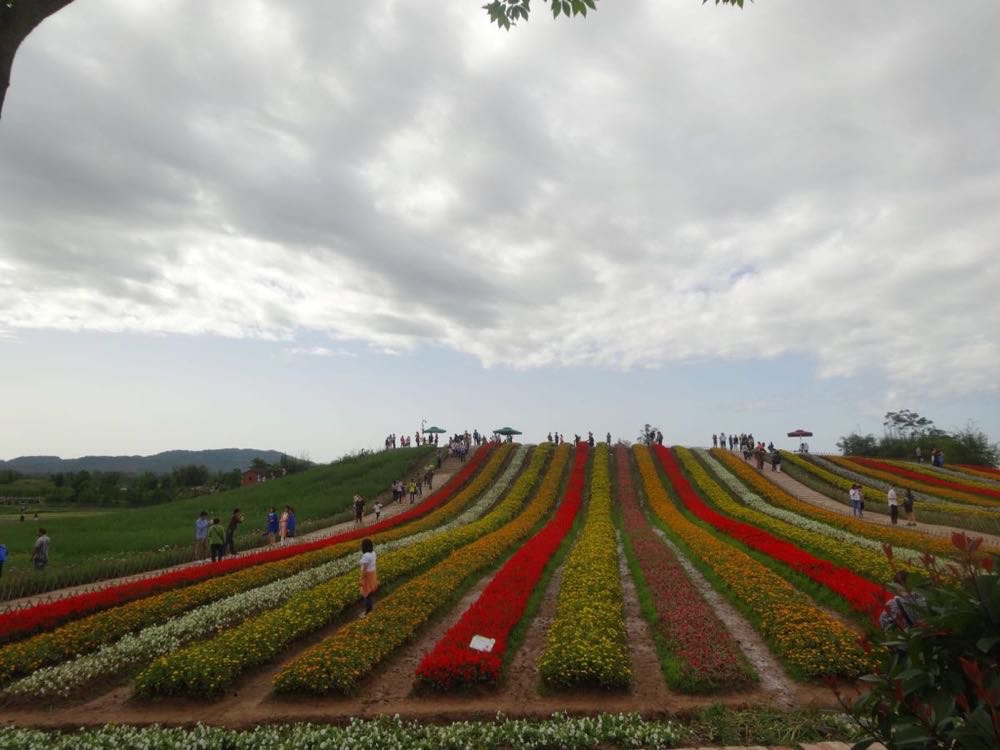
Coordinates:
[318,492]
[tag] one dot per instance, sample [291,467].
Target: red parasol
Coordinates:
[800,433]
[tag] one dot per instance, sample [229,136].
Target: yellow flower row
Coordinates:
[810,641]
[208,667]
[90,633]
[777,496]
[587,643]
[873,564]
[339,662]
[878,496]
[929,489]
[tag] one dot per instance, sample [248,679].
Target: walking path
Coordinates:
[808,495]
[389,509]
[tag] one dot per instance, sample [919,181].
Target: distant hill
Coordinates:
[223,459]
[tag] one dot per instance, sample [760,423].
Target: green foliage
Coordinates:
[905,431]
[506,13]
[939,685]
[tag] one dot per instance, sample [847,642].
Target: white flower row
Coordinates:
[142,647]
[603,730]
[755,501]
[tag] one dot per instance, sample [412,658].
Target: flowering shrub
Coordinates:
[938,681]
[810,641]
[970,487]
[974,479]
[826,470]
[47,615]
[880,566]
[587,643]
[452,663]
[986,472]
[339,662]
[777,496]
[859,593]
[983,505]
[90,633]
[133,650]
[208,667]
[703,654]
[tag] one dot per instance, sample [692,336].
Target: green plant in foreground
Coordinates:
[939,683]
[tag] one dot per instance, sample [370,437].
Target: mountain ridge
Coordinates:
[216,459]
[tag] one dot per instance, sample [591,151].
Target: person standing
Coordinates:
[715,440]
[234,522]
[412,489]
[377,507]
[855,494]
[291,522]
[369,578]
[201,525]
[272,525]
[908,507]
[775,460]
[283,526]
[359,509]
[40,552]
[893,504]
[217,540]
[3,557]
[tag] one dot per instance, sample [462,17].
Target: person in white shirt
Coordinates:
[893,505]
[855,495]
[369,578]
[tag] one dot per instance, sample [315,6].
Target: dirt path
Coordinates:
[808,495]
[389,509]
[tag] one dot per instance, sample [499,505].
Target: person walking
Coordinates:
[234,522]
[369,578]
[272,525]
[283,526]
[291,522]
[412,489]
[359,509]
[217,540]
[908,507]
[377,507]
[855,494]
[3,557]
[201,525]
[40,552]
[890,496]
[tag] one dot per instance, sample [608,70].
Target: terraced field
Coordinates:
[537,579]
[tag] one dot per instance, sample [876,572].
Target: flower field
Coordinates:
[541,542]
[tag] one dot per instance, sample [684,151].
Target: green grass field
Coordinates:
[81,537]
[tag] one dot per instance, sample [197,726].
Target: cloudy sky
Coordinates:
[304,225]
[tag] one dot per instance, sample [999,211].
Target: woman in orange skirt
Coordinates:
[369,578]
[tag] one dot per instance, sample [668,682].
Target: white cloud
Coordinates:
[655,184]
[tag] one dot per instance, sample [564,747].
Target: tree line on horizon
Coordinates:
[905,431]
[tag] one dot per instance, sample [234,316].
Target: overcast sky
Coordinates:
[304,225]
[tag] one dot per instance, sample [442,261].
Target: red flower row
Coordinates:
[452,663]
[44,616]
[860,593]
[710,658]
[919,476]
